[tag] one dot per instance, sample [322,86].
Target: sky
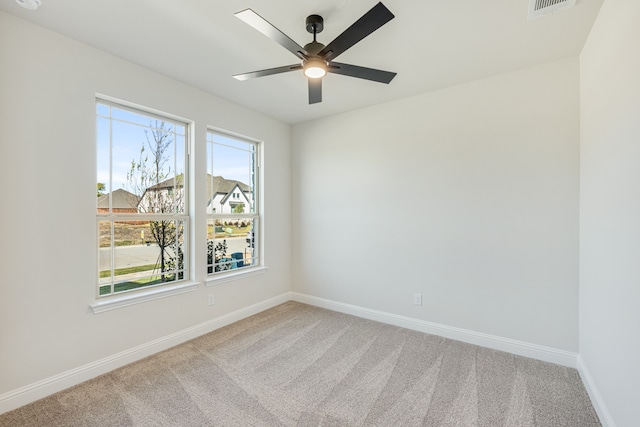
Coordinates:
[120,135]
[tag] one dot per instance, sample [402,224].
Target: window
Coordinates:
[142,209]
[233,215]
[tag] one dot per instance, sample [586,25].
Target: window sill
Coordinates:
[236,275]
[125,300]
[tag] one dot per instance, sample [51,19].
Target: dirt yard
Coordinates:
[127,234]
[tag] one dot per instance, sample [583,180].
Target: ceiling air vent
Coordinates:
[538,8]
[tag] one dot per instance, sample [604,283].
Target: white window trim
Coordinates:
[220,278]
[146,294]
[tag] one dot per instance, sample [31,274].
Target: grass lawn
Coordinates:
[235,232]
[132,284]
[127,270]
[126,286]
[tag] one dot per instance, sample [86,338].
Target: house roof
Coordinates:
[178,181]
[225,198]
[121,199]
[218,184]
[215,184]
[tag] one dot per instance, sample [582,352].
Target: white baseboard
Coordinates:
[32,392]
[521,348]
[598,403]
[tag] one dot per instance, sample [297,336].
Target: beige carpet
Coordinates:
[298,365]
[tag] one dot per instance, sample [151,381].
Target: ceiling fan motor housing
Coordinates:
[315,24]
[313,48]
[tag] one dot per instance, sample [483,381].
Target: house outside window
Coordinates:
[233,214]
[142,213]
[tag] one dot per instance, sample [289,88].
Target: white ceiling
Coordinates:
[431,44]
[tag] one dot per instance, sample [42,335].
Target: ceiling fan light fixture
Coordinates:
[315,68]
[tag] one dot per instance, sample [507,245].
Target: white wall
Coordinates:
[610,210]
[47,229]
[490,241]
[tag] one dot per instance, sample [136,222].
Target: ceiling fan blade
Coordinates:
[266,28]
[361,72]
[268,72]
[367,24]
[315,90]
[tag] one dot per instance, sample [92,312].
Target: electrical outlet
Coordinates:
[417,299]
[211,299]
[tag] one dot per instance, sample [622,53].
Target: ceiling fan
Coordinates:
[317,59]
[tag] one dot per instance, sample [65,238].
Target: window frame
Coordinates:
[181,284]
[256,215]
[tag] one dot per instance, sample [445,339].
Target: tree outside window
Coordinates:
[142,212]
